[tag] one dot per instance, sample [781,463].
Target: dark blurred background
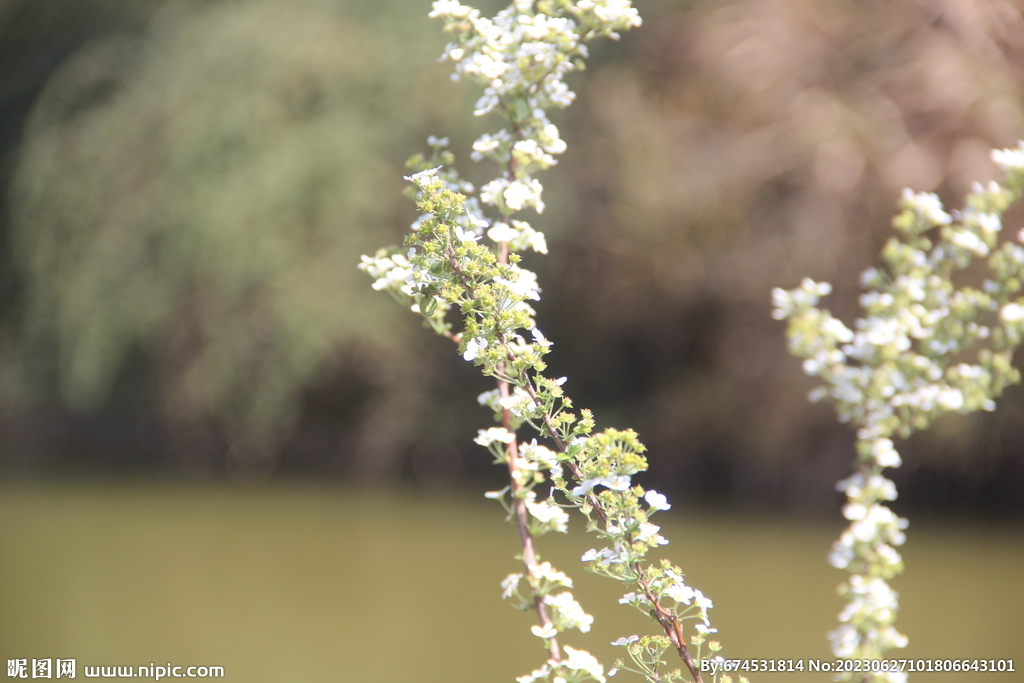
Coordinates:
[188,186]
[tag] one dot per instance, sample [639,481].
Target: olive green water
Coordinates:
[304,583]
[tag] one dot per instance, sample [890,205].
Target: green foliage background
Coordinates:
[189,184]
[202,190]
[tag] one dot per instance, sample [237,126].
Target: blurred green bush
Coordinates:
[204,190]
[201,189]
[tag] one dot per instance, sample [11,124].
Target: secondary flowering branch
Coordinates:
[903,365]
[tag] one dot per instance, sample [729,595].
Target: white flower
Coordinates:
[465,235]
[568,612]
[884,453]
[969,241]
[990,223]
[842,551]
[878,523]
[522,193]
[546,631]
[581,660]
[524,284]
[528,151]
[519,236]
[680,592]
[474,347]
[854,511]
[548,513]
[605,556]
[844,640]
[490,399]
[1009,159]
[501,232]
[536,675]
[837,329]
[926,205]
[488,143]
[490,192]
[615,483]
[782,303]
[548,573]
[542,455]
[425,179]
[391,272]
[649,532]
[530,237]
[1012,313]
[452,8]
[537,240]
[509,585]
[950,399]
[539,337]
[888,555]
[657,500]
[550,140]
[626,641]
[485,437]
[820,288]
[519,402]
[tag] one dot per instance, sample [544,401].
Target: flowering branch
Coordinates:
[903,367]
[521,57]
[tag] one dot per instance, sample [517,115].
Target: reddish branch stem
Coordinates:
[519,504]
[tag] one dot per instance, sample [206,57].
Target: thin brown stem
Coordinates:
[519,503]
[669,623]
[453,261]
[521,518]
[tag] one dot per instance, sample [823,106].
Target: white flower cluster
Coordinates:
[869,616]
[893,372]
[548,515]
[389,272]
[567,613]
[541,456]
[519,403]
[578,665]
[674,586]
[522,283]
[521,57]
[1010,160]
[395,274]
[519,235]
[472,222]
[513,195]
